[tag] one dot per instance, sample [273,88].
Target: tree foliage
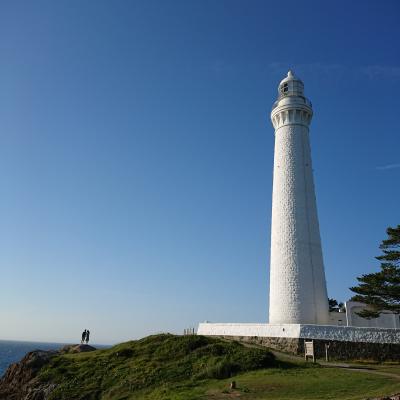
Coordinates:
[335,306]
[381,290]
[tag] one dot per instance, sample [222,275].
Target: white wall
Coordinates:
[385,320]
[263,330]
[337,318]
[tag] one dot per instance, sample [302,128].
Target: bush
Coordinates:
[223,369]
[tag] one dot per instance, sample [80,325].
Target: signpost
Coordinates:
[327,345]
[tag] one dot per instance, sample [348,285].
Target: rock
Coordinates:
[20,380]
[77,348]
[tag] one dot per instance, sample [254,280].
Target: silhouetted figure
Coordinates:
[87,336]
[84,333]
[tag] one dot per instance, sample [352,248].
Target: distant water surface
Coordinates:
[12,351]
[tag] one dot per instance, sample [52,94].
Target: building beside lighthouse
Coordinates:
[298,300]
[298,292]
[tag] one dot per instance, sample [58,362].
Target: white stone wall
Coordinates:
[322,332]
[261,330]
[298,292]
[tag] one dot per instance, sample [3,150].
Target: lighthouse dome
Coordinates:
[291,86]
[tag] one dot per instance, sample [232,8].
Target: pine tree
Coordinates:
[335,306]
[381,290]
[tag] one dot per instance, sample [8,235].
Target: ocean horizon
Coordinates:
[12,351]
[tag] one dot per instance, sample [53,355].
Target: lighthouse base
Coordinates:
[345,342]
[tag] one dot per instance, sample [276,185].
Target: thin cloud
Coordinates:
[381,71]
[388,166]
[339,71]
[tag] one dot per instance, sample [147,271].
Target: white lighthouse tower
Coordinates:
[298,306]
[298,292]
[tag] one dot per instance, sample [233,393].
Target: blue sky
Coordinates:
[136,156]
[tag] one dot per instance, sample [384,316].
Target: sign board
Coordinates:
[309,350]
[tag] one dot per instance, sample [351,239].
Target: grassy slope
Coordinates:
[194,367]
[148,364]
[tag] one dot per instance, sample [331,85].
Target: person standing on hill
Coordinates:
[84,333]
[87,336]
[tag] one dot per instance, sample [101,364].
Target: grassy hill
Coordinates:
[161,363]
[169,367]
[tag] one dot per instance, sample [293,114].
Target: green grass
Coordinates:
[168,367]
[308,384]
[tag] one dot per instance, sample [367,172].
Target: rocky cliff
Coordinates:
[21,379]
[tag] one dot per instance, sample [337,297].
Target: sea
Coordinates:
[13,351]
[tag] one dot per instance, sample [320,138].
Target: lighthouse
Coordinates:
[298,292]
[298,301]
